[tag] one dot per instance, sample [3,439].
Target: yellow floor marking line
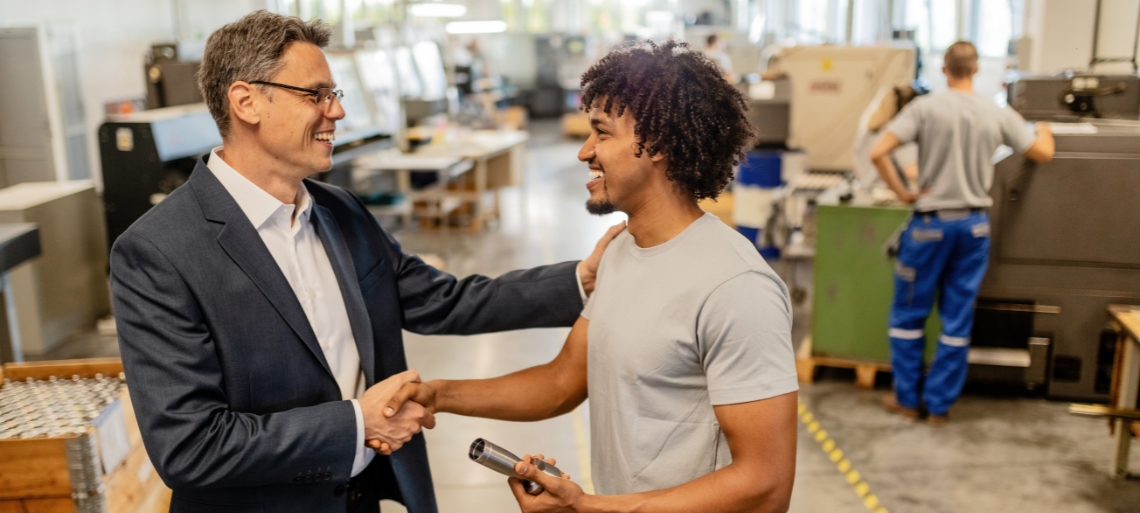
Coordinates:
[579,426]
[835,454]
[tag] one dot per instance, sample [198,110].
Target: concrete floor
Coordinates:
[998,453]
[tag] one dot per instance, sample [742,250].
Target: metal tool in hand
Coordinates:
[503,461]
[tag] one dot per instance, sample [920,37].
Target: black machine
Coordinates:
[171,76]
[1072,96]
[146,156]
[1062,245]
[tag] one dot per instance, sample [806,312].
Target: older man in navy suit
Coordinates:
[260,313]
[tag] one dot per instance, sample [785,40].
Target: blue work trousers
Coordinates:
[944,253]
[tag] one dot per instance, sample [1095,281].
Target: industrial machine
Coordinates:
[769,110]
[831,87]
[1071,96]
[172,74]
[146,155]
[1063,248]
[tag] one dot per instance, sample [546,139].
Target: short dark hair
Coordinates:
[711,40]
[682,107]
[250,49]
[961,59]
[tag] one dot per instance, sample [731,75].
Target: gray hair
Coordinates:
[247,50]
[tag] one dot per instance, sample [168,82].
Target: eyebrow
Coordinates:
[594,122]
[320,84]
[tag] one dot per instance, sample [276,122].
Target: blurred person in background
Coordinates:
[944,249]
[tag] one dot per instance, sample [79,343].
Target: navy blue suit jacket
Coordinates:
[236,404]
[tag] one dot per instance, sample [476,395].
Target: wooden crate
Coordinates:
[34,475]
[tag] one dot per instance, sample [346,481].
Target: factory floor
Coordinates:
[1000,452]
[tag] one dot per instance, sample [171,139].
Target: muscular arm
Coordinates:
[1042,149]
[537,393]
[762,438]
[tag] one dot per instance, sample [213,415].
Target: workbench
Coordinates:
[1125,381]
[480,163]
[19,242]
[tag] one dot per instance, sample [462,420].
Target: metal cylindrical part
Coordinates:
[503,461]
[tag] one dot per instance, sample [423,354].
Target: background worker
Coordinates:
[945,246]
[714,48]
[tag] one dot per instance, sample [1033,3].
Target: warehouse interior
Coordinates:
[462,136]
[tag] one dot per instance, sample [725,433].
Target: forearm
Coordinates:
[528,395]
[890,175]
[728,490]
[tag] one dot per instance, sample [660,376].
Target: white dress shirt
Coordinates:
[299,253]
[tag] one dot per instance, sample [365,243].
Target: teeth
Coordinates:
[325,137]
[596,174]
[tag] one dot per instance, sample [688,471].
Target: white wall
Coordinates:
[114,36]
[1060,34]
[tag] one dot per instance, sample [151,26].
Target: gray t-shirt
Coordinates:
[957,134]
[700,320]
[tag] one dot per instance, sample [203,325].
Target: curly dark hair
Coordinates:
[682,107]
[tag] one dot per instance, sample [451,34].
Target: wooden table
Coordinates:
[1125,381]
[436,196]
[499,161]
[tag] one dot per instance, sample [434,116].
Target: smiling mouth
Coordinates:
[595,175]
[325,137]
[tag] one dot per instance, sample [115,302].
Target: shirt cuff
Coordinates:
[581,289]
[364,454]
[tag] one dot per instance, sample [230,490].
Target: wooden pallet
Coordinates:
[865,371]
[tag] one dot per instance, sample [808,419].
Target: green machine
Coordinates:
[854,284]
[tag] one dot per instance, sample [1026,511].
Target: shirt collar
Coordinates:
[259,206]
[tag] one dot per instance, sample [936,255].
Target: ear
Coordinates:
[657,157]
[244,101]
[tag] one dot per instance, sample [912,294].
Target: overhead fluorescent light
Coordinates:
[433,10]
[476,27]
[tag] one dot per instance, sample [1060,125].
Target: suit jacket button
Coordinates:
[339,490]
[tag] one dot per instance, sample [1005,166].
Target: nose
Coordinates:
[586,154]
[335,110]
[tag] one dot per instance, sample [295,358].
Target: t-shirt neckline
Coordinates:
[671,243]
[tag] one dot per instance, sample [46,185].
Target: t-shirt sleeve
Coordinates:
[745,338]
[1015,132]
[905,125]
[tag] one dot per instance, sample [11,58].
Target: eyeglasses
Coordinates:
[322,96]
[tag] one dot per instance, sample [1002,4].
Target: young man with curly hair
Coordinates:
[684,350]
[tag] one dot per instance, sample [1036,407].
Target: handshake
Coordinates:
[396,409]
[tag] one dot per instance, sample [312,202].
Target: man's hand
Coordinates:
[588,268]
[908,197]
[422,393]
[559,496]
[396,429]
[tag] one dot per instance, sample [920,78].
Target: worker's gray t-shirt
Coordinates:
[957,134]
[700,320]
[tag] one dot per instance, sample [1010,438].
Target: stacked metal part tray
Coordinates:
[69,442]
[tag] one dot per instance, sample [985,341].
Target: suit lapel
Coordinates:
[241,242]
[341,260]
